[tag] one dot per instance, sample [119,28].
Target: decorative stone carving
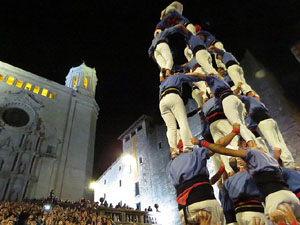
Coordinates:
[22,168]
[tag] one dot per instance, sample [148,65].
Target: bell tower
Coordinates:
[82,79]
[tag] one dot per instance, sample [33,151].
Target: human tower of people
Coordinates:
[256,186]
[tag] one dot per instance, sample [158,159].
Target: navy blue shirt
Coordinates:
[237,186]
[188,165]
[209,38]
[250,124]
[216,85]
[258,161]
[194,42]
[163,37]
[227,79]
[292,177]
[227,56]
[253,105]
[176,81]
[212,105]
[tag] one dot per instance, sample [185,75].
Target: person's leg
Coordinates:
[271,132]
[170,121]
[204,59]
[236,74]
[163,56]
[196,94]
[219,129]
[178,109]
[219,62]
[233,109]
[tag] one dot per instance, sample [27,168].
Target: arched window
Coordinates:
[86,82]
[75,79]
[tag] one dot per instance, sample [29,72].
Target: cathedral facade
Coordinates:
[47,134]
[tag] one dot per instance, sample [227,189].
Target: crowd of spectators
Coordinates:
[54,212]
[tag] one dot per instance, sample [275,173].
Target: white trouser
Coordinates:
[172,108]
[204,60]
[219,62]
[262,144]
[163,56]
[188,53]
[212,206]
[219,129]
[191,28]
[246,218]
[234,111]
[275,199]
[236,74]
[271,132]
[196,92]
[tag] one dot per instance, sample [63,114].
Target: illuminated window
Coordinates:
[10,80]
[36,89]
[19,83]
[75,79]
[28,86]
[51,95]
[86,82]
[44,92]
[2,77]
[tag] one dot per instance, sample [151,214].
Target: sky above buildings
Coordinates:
[48,38]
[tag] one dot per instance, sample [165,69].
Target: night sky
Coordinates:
[47,39]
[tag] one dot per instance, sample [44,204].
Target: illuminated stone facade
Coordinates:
[148,145]
[47,134]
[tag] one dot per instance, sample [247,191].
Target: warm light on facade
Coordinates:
[10,80]
[75,79]
[28,86]
[19,84]
[44,92]
[129,160]
[36,89]
[2,77]
[86,82]
[93,185]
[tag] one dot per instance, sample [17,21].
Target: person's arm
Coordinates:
[222,150]
[218,175]
[200,75]
[228,138]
